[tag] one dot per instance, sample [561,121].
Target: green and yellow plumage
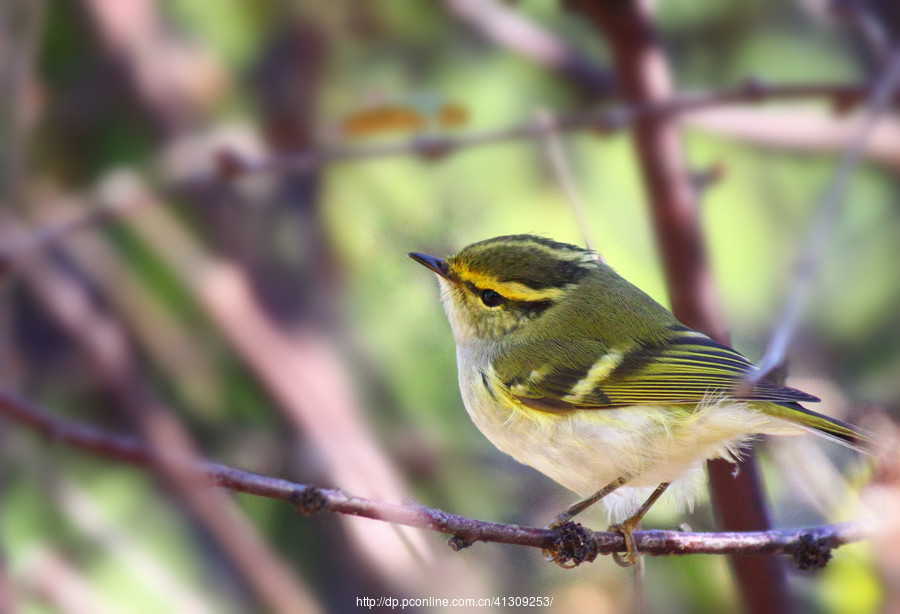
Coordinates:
[571,369]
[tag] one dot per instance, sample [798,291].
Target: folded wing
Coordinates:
[685,369]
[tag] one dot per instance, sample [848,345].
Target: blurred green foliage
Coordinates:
[372,212]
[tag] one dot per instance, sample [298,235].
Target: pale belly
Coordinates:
[587,449]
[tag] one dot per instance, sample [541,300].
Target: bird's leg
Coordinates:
[627,527]
[576,508]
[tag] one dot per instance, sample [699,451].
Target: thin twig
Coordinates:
[828,210]
[808,131]
[513,30]
[310,499]
[645,78]
[232,167]
[107,349]
[562,169]
[603,121]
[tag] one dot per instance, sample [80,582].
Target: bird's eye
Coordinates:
[490,298]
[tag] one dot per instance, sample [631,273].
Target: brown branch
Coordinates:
[107,349]
[302,374]
[230,166]
[512,29]
[603,121]
[810,547]
[644,78]
[799,130]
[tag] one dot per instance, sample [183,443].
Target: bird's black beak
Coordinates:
[435,264]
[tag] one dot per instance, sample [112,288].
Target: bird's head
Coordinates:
[494,287]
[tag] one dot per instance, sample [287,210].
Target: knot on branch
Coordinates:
[572,546]
[812,553]
[310,500]
[458,542]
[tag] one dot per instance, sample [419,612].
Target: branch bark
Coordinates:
[107,349]
[513,30]
[810,547]
[232,167]
[603,122]
[799,130]
[644,78]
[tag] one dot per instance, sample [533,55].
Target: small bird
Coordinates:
[570,369]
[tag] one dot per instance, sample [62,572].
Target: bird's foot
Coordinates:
[627,528]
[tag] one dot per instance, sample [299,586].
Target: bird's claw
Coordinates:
[631,556]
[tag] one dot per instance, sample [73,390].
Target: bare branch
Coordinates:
[800,130]
[806,545]
[302,373]
[602,121]
[231,167]
[108,350]
[513,30]
[829,207]
[645,79]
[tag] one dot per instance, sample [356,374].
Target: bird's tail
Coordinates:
[832,428]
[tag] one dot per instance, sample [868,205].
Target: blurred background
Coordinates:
[272,321]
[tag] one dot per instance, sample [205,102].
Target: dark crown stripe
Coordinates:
[535,262]
[558,274]
[530,239]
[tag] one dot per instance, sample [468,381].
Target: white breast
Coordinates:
[586,450]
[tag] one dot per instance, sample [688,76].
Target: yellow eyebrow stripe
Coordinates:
[511,290]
